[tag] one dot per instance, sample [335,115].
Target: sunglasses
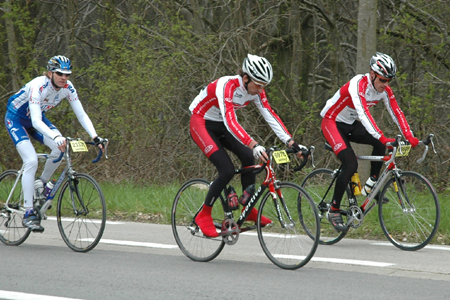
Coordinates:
[382,80]
[62,74]
[258,84]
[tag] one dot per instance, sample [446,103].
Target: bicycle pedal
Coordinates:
[38,230]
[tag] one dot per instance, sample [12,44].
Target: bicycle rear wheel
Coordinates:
[188,236]
[316,184]
[410,219]
[286,241]
[81,213]
[12,232]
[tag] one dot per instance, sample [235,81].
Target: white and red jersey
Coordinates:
[220,99]
[353,100]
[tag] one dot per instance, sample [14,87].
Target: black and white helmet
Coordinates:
[59,63]
[383,64]
[258,68]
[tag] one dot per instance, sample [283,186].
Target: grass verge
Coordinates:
[138,203]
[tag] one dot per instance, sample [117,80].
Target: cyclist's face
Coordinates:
[380,83]
[255,88]
[60,79]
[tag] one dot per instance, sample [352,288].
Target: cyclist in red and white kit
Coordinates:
[214,127]
[346,118]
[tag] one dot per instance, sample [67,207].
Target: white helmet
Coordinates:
[383,64]
[258,68]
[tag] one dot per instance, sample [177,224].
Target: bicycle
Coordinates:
[284,241]
[408,205]
[80,210]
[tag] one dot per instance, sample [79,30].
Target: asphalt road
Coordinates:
[142,261]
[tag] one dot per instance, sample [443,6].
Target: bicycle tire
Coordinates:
[12,232]
[316,184]
[82,228]
[188,235]
[287,243]
[414,228]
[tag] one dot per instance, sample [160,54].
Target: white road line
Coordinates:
[339,261]
[321,259]
[135,244]
[93,221]
[434,247]
[353,262]
[7,295]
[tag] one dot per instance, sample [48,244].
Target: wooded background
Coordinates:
[139,64]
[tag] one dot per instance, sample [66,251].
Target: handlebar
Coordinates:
[398,142]
[306,153]
[59,158]
[100,153]
[428,140]
[105,146]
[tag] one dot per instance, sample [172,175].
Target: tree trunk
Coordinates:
[366,47]
[12,48]
[70,11]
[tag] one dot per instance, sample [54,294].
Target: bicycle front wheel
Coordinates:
[286,241]
[317,183]
[12,232]
[81,213]
[409,213]
[188,235]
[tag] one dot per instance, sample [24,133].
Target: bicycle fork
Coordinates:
[73,186]
[403,199]
[275,191]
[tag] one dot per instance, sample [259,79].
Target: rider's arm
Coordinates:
[83,118]
[272,118]
[276,123]
[397,114]
[36,119]
[77,108]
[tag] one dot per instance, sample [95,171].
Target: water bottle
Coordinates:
[247,195]
[356,184]
[368,186]
[48,188]
[232,198]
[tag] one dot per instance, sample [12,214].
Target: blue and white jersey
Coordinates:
[38,96]
[39,91]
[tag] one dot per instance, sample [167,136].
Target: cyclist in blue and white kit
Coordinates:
[25,117]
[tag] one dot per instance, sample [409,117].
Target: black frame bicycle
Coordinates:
[286,241]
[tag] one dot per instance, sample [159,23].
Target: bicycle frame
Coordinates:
[390,170]
[80,208]
[19,177]
[269,183]
[368,204]
[288,244]
[66,173]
